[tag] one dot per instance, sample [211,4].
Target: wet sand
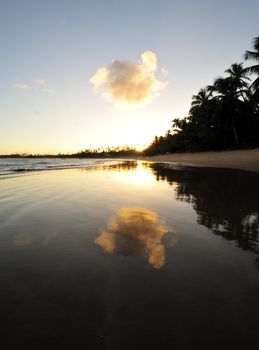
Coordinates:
[129,256]
[241,159]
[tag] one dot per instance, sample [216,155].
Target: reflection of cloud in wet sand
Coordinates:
[134,231]
[23,239]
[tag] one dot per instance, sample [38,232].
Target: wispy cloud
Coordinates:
[20,86]
[39,83]
[126,82]
[42,85]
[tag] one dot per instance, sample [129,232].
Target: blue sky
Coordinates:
[50,49]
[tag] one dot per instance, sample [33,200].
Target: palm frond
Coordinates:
[255,85]
[251,55]
[256,43]
[252,69]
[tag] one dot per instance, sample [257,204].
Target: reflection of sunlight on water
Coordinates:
[136,231]
[141,175]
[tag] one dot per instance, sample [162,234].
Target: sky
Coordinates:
[80,74]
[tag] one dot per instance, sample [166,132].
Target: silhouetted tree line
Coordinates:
[111,152]
[107,152]
[224,115]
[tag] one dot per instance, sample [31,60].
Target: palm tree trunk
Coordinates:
[232,113]
[234,129]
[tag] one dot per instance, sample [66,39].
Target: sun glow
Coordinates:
[140,176]
[140,148]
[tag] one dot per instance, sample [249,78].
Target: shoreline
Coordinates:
[238,159]
[247,160]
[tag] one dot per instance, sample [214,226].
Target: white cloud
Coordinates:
[20,86]
[125,82]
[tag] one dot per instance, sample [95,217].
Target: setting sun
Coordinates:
[140,148]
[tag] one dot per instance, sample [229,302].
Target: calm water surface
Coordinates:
[129,256]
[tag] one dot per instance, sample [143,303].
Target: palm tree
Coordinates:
[225,93]
[178,124]
[254,55]
[238,80]
[201,98]
[200,101]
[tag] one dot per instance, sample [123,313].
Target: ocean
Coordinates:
[13,166]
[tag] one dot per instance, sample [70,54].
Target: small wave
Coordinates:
[65,166]
[41,162]
[23,170]
[23,166]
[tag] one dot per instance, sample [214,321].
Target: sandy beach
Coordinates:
[240,159]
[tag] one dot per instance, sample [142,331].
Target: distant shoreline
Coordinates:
[238,159]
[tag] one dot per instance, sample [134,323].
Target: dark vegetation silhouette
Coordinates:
[107,152]
[224,115]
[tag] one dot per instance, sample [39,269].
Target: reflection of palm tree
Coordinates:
[226,202]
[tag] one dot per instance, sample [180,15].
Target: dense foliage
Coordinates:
[224,115]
